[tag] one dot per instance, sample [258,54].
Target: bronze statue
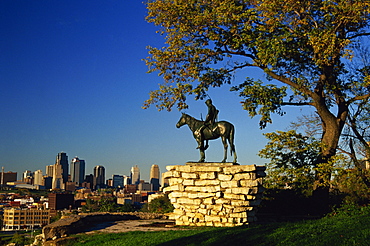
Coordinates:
[202,130]
[209,122]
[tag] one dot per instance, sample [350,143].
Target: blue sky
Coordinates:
[73,80]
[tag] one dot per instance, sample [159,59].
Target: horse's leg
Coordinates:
[206,146]
[202,155]
[224,142]
[231,142]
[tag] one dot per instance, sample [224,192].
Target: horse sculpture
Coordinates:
[222,129]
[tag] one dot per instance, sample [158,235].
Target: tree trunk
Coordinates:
[332,128]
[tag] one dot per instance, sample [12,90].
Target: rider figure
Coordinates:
[209,122]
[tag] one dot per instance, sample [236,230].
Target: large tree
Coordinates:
[303,46]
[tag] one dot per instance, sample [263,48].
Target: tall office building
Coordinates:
[62,159]
[38,178]
[99,177]
[117,181]
[154,177]
[27,175]
[49,170]
[57,182]
[126,180]
[135,175]
[77,170]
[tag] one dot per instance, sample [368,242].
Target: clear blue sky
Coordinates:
[73,80]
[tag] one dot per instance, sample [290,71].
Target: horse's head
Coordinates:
[182,121]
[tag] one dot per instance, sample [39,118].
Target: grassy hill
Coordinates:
[346,227]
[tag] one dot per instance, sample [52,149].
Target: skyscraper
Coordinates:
[77,170]
[154,177]
[117,181]
[62,159]
[99,177]
[57,182]
[49,170]
[135,175]
[38,178]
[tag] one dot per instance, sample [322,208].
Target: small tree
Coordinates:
[159,205]
[292,160]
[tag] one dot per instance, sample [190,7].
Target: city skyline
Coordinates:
[74,80]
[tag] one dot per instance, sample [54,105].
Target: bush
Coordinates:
[158,205]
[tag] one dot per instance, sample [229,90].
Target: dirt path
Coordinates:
[133,225]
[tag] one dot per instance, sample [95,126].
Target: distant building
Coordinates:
[126,180]
[57,182]
[135,175]
[49,170]
[8,177]
[62,159]
[117,181]
[48,181]
[165,181]
[25,219]
[99,177]
[59,201]
[27,175]
[38,178]
[154,177]
[77,171]
[145,186]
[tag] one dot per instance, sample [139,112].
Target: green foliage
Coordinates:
[353,185]
[20,240]
[292,160]
[159,205]
[106,204]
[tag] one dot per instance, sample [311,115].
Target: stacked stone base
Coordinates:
[214,194]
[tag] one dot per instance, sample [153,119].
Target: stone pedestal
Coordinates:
[214,194]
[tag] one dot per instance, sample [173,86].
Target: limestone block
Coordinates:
[179,211]
[210,218]
[240,203]
[189,201]
[186,169]
[174,216]
[234,196]
[172,174]
[229,184]
[238,215]
[223,201]
[173,181]
[171,167]
[239,176]
[176,187]
[209,223]
[188,182]
[248,183]
[239,190]
[224,177]
[239,169]
[237,209]
[206,182]
[200,195]
[211,189]
[176,194]
[209,201]
[207,175]
[206,169]
[189,175]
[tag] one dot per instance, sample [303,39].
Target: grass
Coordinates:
[341,229]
